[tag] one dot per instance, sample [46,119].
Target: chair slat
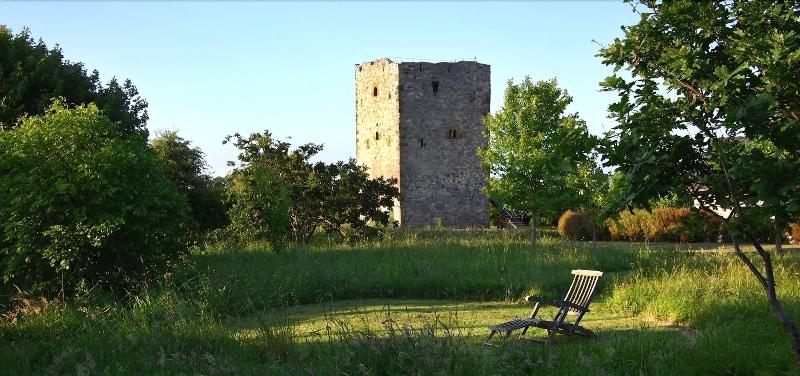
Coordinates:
[576,283]
[584,291]
[580,292]
[589,291]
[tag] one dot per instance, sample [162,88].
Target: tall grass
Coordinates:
[463,265]
[708,314]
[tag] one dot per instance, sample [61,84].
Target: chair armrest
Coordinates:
[556,303]
[533,299]
[562,303]
[540,301]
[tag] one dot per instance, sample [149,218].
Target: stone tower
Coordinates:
[422,124]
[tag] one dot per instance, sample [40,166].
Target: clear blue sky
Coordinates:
[210,69]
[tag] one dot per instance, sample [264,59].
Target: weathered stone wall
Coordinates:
[441,110]
[378,119]
[424,127]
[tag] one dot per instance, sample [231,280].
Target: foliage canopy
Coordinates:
[540,158]
[84,206]
[31,75]
[278,194]
[185,167]
[711,107]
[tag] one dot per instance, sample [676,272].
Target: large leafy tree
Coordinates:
[710,105]
[185,167]
[541,159]
[278,194]
[348,199]
[83,206]
[31,75]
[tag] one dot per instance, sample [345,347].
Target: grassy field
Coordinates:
[416,303]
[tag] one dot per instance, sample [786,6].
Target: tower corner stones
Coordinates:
[421,123]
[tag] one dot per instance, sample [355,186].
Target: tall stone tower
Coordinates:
[422,124]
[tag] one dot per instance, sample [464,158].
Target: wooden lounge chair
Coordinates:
[575,303]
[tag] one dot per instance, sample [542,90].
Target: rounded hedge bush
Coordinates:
[575,226]
[84,205]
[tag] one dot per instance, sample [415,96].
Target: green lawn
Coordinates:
[416,303]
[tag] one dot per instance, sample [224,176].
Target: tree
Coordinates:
[259,206]
[712,107]
[83,206]
[185,166]
[277,193]
[31,75]
[348,199]
[541,160]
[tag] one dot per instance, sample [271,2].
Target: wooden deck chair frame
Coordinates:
[575,303]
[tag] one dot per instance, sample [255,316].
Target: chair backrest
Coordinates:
[582,288]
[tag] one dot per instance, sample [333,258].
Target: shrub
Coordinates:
[794,230]
[575,226]
[84,205]
[629,225]
[702,227]
[665,225]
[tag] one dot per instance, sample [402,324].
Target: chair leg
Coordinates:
[550,334]
[585,332]
[524,330]
[486,342]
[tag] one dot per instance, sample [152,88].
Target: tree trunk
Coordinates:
[778,241]
[788,325]
[767,281]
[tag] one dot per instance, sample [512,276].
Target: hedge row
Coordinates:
[662,224]
[659,225]
[665,225]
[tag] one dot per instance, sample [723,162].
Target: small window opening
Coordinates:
[422,142]
[472,96]
[360,68]
[435,86]
[377,136]
[453,133]
[374,91]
